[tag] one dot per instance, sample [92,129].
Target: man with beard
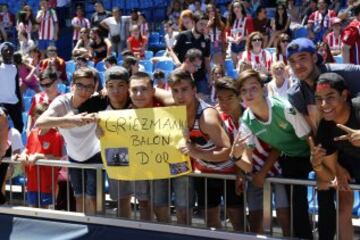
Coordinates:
[195,39]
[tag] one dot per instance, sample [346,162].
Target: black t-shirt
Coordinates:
[301,95]
[184,42]
[98,103]
[348,155]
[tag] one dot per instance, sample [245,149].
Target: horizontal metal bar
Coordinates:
[81,218]
[58,163]
[291,181]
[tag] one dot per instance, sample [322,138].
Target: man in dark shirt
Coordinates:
[305,63]
[99,15]
[195,39]
[338,152]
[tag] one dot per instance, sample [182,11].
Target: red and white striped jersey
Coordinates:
[351,37]
[318,19]
[335,43]
[48,21]
[82,22]
[241,27]
[258,61]
[215,35]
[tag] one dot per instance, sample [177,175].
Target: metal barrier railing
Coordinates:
[100,195]
[267,203]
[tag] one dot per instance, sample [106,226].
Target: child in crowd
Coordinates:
[41,144]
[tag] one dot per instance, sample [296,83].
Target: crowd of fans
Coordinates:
[265,96]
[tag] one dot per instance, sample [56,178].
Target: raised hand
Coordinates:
[239,145]
[352,135]
[317,154]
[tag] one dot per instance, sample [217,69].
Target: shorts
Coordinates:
[89,177]
[182,187]
[255,197]
[237,48]
[44,44]
[215,193]
[45,198]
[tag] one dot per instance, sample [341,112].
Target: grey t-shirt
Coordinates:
[81,142]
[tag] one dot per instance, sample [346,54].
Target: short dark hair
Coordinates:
[159,74]
[246,75]
[200,16]
[334,80]
[48,73]
[111,59]
[179,75]
[84,72]
[226,83]
[192,54]
[141,75]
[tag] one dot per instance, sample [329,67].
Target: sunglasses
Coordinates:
[46,85]
[87,88]
[256,40]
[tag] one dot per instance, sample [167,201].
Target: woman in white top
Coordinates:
[280,83]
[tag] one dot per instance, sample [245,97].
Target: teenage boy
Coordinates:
[277,123]
[208,144]
[337,153]
[78,131]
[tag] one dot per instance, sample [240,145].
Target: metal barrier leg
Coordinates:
[267,205]
[337,214]
[99,191]
[225,205]
[291,211]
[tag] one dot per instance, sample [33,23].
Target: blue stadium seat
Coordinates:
[312,195]
[300,32]
[229,66]
[160,53]
[154,39]
[100,66]
[271,50]
[165,65]
[339,59]
[270,12]
[70,66]
[62,88]
[90,63]
[29,93]
[233,74]
[27,103]
[147,65]
[149,55]
[356,205]
[102,77]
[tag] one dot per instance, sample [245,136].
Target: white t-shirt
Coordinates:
[276,91]
[8,74]
[15,140]
[170,41]
[81,142]
[114,26]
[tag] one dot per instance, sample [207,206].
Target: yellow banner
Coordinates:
[142,144]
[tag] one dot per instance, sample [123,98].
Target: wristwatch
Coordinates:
[235,159]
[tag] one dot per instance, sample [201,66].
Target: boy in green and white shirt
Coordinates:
[277,123]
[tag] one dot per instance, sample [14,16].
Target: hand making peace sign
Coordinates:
[352,135]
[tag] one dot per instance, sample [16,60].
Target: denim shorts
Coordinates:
[45,198]
[237,48]
[89,177]
[182,188]
[255,197]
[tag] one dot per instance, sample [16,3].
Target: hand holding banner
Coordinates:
[142,144]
